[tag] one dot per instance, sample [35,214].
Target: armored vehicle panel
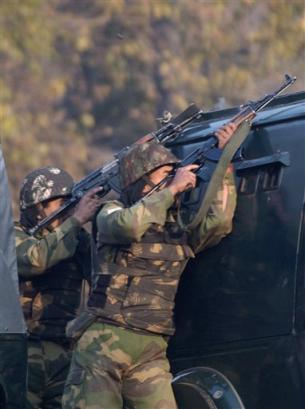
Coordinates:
[12,327]
[240,307]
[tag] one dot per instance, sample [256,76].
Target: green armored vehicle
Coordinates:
[12,327]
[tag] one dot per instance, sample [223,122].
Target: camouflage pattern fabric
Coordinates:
[138,288]
[48,366]
[100,375]
[141,261]
[44,184]
[142,159]
[51,270]
[118,225]
[111,364]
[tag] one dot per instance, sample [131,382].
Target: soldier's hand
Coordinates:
[183,180]
[88,206]
[224,134]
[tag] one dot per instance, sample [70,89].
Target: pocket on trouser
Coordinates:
[72,396]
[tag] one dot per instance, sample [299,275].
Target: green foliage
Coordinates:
[80,78]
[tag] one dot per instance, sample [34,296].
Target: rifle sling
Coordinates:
[217,177]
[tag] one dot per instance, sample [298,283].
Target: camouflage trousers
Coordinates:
[112,366]
[48,367]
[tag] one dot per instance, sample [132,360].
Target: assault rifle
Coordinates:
[107,176]
[209,150]
[208,155]
[247,113]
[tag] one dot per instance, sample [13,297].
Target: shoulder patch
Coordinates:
[112,210]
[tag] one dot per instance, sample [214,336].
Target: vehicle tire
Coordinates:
[205,388]
[192,396]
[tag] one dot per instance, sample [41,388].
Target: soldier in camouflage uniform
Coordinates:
[51,268]
[142,251]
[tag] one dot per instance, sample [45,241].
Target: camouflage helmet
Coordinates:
[142,159]
[44,184]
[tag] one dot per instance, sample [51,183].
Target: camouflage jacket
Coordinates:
[51,270]
[142,253]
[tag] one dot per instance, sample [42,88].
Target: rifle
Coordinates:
[107,176]
[248,112]
[208,156]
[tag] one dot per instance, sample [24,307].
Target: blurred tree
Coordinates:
[81,75]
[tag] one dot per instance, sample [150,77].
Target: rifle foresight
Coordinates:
[290,79]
